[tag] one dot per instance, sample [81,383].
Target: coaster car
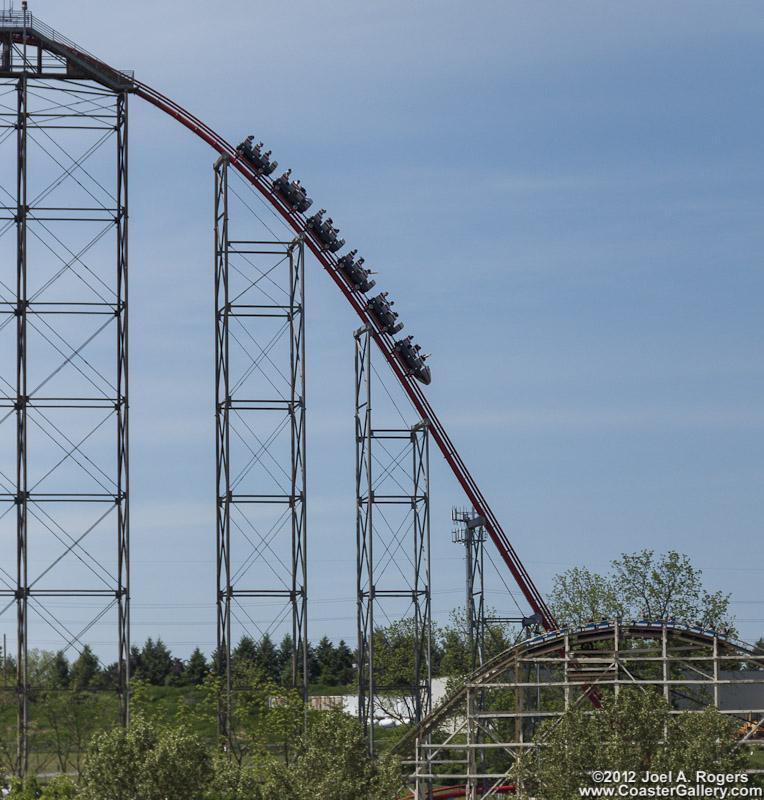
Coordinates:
[354,271]
[384,314]
[255,157]
[292,192]
[325,232]
[409,354]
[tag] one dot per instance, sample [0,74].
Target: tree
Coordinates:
[333,760]
[285,660]
[9,666]
[84,669]
[634,731]
[344,664]
[233,781]
[62,787]
[146,761]
[155,662]
[58,671]
[325,655]
[196,669]
[266,658]
[335,664]
[135,660]
[243,655]
[395,661]
[70,718]
[579,595]
[312,663]
[454,646]
[640,584]
[668,586]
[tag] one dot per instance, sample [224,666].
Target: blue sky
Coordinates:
[564,200]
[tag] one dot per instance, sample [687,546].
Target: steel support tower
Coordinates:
[393,549]
[471,533]
[260,414]
[63,381]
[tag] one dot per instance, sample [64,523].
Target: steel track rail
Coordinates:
[385,342]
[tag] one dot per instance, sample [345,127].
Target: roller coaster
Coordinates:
[35,63]
[31,49]
[20,31]
[477,735]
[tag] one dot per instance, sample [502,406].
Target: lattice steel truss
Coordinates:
[393,543]
[260,413]
[478,745]
[471,533]
[63,356]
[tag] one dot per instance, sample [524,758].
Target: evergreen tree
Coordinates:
[58,671]
[313,669]
[214,663]
[344,660]
[327,666]
[84,670]
[175,675]
[108,678]
[286,649]
[267,658]
[155,662]
[196,669]
[244,654]
[135,660]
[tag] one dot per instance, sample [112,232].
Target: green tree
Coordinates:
[70,718]
[312,664]
[8,663]
[146,761]
[333,760]
[38,666]
[579,595]
[233,781]
[454,643]
[634,731]
[344,664]
[243,655]
[196,669]
[84,670]
[395,656]
[639,584]
[27,789]
[267,658]
[62,787]
[57,674]
[285,660]
[325,655]
[667,586]
[155,662]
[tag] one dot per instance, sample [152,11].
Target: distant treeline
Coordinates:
[155,664]
[329,665]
